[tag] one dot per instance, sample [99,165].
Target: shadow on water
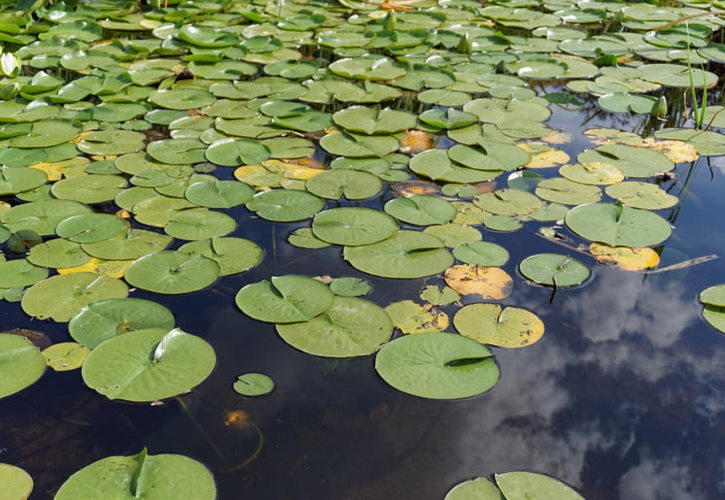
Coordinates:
[621,397]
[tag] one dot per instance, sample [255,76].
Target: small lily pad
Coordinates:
[253,384]
[500,326]
[553,269]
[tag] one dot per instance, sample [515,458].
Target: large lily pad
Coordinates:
[173,273]
[437,366]
[99,321]
[522,484]
[284,299]
[60,297]
[618,225]
[406,254]
[349,327]
[21,364]
[148,365]
[353,226]
[154,477]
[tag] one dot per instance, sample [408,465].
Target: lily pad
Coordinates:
[170,272]
[350,286]
[99,321]
[285,299]
[253,384]
[406,254]
[21,364]
[154,477]
[285,205]
[421,210]
[353,226]
[479,488]
[91,228]
[642,195]
[65,356]
[553,269]
[350,327]
[481,253]
[409,317]
[521,484]
[17,484]
[236,152]
[352,184]
[234,255]
[371,121]
[437,366]
[618,225]
[60,297]
[199,224]
[148,365]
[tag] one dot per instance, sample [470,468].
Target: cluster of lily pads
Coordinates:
[135,137]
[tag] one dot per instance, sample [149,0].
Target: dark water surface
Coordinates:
[622,397]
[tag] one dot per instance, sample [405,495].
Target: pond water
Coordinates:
[620,398]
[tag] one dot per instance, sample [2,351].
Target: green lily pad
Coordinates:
[112,142]
[521,484]
[553,269]
[508,202]
[236,152]
[182,99]
[90,228]
[219,194]
[618,225]
[436,165]
[154,477]
[253,384]
[44,134]
[421,210]
[490,156]
[89,188]
[65,356]
[350,286]
[479,488]
[58,253]
[129,245]
[372,121]
[41,216]
[17,484]
[285,205]
[632,161]
[352,184]
[60,297]
[713,296]
[642,195]
[148,365]
[454,235]
[707,142]
[284,299]
[199,224]
[353,226]
[15,180]
[350,327]
[20,273]
[566,192]
[170,272]
[234,255]
[303,237]
[177,151]
[358,146]
[437,296]
[481,253]
[406,254]
[103,320]
[21,364]
[437,366]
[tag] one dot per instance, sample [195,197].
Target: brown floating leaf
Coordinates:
[491,283]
